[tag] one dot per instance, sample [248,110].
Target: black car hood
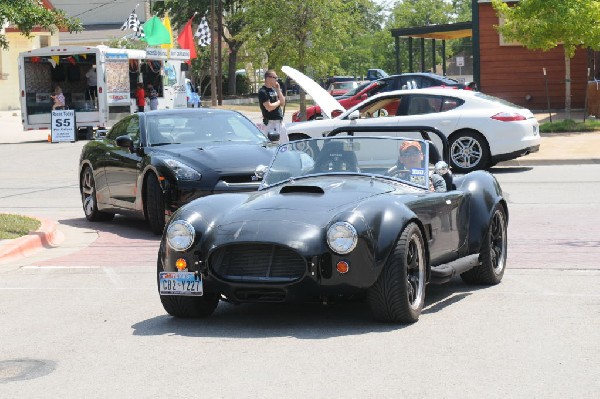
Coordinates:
[221,157]
[313,200]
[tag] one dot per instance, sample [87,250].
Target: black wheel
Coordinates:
[155,205]
[492,256]
[311,149]
[398,294]
[188,307]
[87,187]
[469,151]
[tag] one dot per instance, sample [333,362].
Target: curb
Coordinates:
[545,162]
[47,236]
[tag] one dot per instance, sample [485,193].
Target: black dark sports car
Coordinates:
[335,225]
[150,164]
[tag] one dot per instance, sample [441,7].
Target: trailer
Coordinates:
[118,71]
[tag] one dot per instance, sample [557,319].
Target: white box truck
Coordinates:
[118,72]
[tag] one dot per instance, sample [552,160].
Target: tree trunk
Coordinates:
[567,86]
[302,68]
[231,78]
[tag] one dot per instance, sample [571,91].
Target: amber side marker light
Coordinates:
[181,264]
[342,267]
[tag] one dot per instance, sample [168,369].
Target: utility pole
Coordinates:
[220,52]
[213,80]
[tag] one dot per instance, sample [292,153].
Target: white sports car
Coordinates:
[482,130]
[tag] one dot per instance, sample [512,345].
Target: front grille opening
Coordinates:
[258,263]
[260,295]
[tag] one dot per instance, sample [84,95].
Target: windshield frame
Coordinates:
[292,161]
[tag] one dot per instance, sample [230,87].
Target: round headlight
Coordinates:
[180,235]
[342,237]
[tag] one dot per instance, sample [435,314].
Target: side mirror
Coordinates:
[125,142]
[354,115]
[273,136]
[260,171]
[336,112]
[440,168]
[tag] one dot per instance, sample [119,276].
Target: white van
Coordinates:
[117,73]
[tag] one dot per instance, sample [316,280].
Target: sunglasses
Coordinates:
[271,76]
[410,153]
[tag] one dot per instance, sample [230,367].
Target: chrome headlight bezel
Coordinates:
[180,235]
[342,237]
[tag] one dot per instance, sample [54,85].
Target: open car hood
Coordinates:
[318,94]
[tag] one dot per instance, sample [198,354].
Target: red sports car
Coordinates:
[349,100]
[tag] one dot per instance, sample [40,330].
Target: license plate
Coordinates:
[180,283]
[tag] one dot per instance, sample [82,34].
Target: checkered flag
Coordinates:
[203,33]
[133,23]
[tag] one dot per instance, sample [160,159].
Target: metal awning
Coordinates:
[441,32]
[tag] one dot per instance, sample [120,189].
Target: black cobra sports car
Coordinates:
[150,164]
[337,225]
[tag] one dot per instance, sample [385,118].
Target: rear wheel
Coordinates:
[188,307]
[398,294]
[469,151]
[87,187]
[155,205]
[492,256]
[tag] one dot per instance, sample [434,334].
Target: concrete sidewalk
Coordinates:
[556,149]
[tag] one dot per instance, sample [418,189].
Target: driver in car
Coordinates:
[410,167]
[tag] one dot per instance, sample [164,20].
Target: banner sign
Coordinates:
[153,53]
[63,125]
[117,79]
[179,54]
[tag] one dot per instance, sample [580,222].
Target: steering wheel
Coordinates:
[380,112]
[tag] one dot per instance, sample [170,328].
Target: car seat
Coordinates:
[334,158]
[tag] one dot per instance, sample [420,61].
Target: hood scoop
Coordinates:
[301,189]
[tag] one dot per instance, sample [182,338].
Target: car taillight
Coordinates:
[508,117]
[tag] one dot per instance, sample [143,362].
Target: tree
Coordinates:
[305,34]
[545,24]
[180,11]
[28,14]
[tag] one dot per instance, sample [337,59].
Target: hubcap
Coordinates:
[415,272]
[498,242]
[466,152]
[87,192]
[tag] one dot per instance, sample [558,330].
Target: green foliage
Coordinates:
[544,24]
[13,226]
[28,14]
[569,125]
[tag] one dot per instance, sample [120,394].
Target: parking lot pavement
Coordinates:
[556,148]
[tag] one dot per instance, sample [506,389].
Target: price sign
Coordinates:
[63,125]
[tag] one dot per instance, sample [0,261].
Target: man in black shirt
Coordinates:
[271,101]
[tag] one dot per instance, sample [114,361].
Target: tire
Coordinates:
[87,187]
[398,294]
[155,205]
[469,151]
[188,307]
[311,149]
[492,256]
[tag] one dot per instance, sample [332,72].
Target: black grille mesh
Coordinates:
[257,262]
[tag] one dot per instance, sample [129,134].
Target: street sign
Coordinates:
[63,125]
[460,61]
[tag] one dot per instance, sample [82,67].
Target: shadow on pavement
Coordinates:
[122,226]
[509,169]
[302,321]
